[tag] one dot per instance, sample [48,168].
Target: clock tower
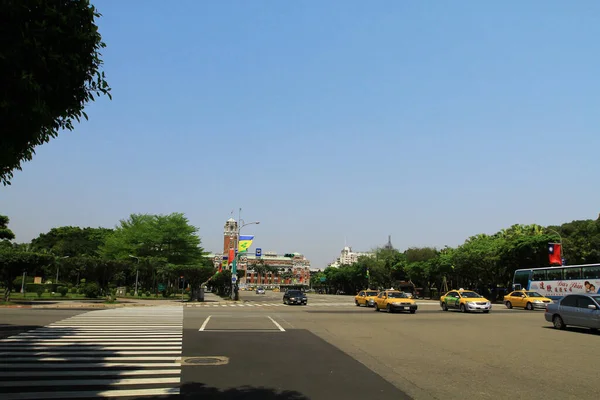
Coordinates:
[229,235]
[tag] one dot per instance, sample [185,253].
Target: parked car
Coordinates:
[295,297]
[260,290]
[575,310]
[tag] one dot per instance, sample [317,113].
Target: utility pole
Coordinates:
[137,274]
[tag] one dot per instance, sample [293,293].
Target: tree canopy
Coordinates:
[50,68]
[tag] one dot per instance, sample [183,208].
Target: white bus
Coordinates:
[555,282]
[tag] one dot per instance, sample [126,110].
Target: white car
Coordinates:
[260,290]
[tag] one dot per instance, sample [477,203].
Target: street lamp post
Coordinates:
[241,224]
[137,274]
[58,267]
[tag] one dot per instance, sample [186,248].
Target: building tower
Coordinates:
[389,246]
[229,235]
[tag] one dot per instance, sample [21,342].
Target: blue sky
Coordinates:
[427,121]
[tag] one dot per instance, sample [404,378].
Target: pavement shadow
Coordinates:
[576,329]
[201,391]
[7,330]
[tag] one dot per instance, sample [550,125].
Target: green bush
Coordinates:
[148,294]
[40,290]
[82,282]
[167,293]
[63,290]
[132,292]
[74,290]
[91,290]
[69,285]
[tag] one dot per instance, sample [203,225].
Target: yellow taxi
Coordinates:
[394,300]
[526,299]
[465,301]
[366,298]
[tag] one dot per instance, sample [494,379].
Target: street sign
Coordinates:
[258,252]
[323,279]
[233,279]
[161,287]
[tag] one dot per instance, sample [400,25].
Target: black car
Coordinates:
[294,297]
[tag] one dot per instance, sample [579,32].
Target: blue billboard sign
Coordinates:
[258,252]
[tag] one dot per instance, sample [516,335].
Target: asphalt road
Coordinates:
[262,349]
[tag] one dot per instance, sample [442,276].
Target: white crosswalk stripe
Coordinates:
[125,352]
[314,304]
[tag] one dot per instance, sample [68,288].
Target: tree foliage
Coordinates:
[50,68]
[5,233]
[71,241]
[167,237]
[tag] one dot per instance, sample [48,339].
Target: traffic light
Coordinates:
[181,282]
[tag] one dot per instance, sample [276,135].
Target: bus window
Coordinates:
[572,273]
[538,275]
[522,278]
[591,272]
[555,274]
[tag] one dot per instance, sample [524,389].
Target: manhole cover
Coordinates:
[212,360]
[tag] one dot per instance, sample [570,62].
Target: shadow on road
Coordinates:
[574,329]
[7,330]
[201,391]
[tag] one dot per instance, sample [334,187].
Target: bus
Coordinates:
[556,282]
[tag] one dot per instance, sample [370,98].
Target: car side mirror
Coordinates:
[592,307]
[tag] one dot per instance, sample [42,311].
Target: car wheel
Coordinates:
[529,306]
[356,302]
[413,311]
[463,308]
[486,311]
[389,309]
[444,307]
[558,322]
[285,302]
[508,305]
[376,307]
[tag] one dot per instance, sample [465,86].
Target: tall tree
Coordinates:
[71,241]
[50,68]
[5,233]
[168,237]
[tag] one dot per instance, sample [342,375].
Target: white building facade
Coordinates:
[347,257]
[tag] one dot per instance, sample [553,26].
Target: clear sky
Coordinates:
[325,120]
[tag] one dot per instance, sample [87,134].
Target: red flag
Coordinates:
[231,256]
[554,253]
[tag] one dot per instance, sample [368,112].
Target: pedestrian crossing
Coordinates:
[258,305]
[126,352]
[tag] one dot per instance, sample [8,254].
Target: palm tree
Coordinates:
[260,268]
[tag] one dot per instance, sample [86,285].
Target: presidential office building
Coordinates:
[288,269]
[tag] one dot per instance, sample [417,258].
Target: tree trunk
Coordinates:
[7,293]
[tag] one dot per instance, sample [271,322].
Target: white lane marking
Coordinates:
[223,305]
[90,394]
[117,372]
[61,352]
[204,323]
[276,324]
[99,358]
[92,382]
[74,365]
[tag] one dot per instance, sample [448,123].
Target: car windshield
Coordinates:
[533,294]
[397,295]
[597,298]
[295,293]
[371,294]
[470,294]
